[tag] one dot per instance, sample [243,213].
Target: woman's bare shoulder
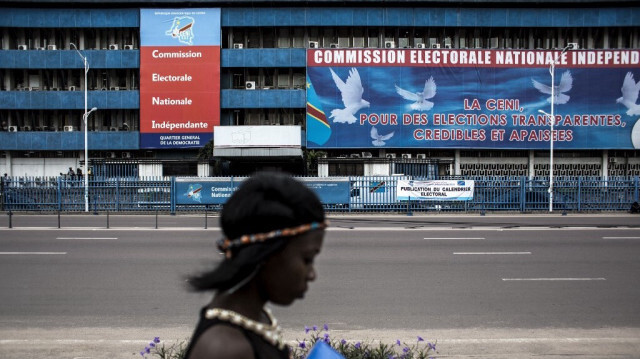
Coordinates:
[222,342]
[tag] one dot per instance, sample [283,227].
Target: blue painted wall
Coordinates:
[458,17]
[58,100]
[263,58]
[69,141]
[14,17]
[69,59]
[350,16]
[263,99]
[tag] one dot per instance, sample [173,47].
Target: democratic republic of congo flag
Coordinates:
[318,129]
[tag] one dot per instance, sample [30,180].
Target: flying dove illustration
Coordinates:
[351,97]
[420,98]
[566,82]
[378,140]
[629,97]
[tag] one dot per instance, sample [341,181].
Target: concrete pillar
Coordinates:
[8,162]
[532,171]
[7,80]
[605,164]
[456,163]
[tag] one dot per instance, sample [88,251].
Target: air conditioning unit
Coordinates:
[406,155]
[22,47]
[250,85]
[447,46]
[13,128]
[421,156]
[113,46]
[68,128]
[115,88]
[390,155]
[334,46]
[112,129]
[72,88]
[389,44]
[355,155]
[613,160]
[313,44]
[42,48]
[421,45]
[573,46]
[126,154]
[51,47]
[367,155]
[54,89]
[238,46]
[435,46]
[112,154]
[26,128]
[128,47]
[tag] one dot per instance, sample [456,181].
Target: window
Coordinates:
[343,37]
[298,38]
[346,169]
[358,37]
[373,37]
[284,37]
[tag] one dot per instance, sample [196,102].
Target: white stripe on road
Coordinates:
[620,237]
[454,238]
[551,279]
[38,253]
[86,237]
[491,253]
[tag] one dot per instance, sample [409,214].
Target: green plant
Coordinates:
[162,351]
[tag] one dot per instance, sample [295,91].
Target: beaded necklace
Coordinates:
[272,333]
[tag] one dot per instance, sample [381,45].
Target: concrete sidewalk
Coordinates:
[109,343]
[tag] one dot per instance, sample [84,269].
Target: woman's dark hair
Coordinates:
[265,202]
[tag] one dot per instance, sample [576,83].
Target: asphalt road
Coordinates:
[492,286]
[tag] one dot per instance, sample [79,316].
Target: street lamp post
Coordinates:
[552,119]
[84,120]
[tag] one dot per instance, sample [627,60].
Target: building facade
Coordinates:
[250,89]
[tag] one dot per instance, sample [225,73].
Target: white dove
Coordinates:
[351,97]
[420,98]
[629,97]
[566,82]
[377,139]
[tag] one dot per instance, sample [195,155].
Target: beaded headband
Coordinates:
[226,245]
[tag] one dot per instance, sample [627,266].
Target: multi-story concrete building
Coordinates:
[341,88]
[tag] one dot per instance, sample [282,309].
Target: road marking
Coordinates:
[551,279]
[38,253]
[620,237]
[491,253]
[86,237]
[454,238]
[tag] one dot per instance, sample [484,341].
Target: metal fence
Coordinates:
[367,194]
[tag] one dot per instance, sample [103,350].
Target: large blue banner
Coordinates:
[492,99]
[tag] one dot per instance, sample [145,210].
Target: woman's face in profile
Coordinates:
[286,274]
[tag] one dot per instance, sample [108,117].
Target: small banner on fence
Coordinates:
[445,190]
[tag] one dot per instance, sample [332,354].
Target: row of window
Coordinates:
[61,38]
[129,120]
[68,120]
[68,79]
[342,37]
[429,37]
